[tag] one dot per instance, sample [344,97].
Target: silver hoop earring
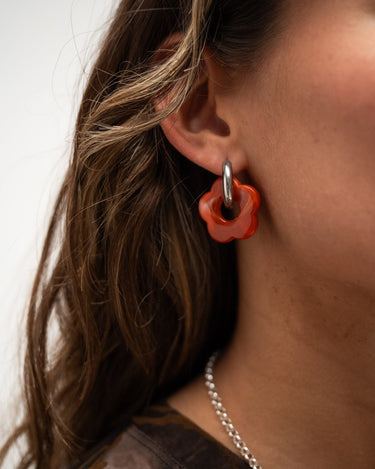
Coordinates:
[225,189]
[227,183]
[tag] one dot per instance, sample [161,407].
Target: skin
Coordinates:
[298,377]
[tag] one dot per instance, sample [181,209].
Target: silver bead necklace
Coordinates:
[217,403]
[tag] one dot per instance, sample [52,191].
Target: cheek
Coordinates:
[318,172]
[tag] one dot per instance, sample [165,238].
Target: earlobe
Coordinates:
[196,130]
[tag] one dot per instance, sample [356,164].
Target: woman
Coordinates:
[143,295]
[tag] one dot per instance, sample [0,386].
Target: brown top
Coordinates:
[161,438]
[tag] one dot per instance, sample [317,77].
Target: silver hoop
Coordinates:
[227,183]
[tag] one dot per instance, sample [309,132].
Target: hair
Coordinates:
[131,294]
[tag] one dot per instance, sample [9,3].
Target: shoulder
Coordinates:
[161,438]
[133,449]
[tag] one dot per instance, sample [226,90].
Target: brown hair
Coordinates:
[131,294]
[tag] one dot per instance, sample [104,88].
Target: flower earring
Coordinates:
[228,189]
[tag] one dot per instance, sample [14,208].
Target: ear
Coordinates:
[197,130]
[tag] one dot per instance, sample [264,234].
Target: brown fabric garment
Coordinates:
[161,438]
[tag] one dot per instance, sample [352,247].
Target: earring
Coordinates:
[228,189]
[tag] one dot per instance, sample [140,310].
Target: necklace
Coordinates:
[217,403]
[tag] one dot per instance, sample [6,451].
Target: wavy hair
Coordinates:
[131,294]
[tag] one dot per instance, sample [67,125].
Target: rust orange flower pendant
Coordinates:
[244,225]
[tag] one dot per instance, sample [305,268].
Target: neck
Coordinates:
[302,360]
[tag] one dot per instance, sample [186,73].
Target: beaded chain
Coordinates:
[216,401]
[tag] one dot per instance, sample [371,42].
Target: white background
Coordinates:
[45,51]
